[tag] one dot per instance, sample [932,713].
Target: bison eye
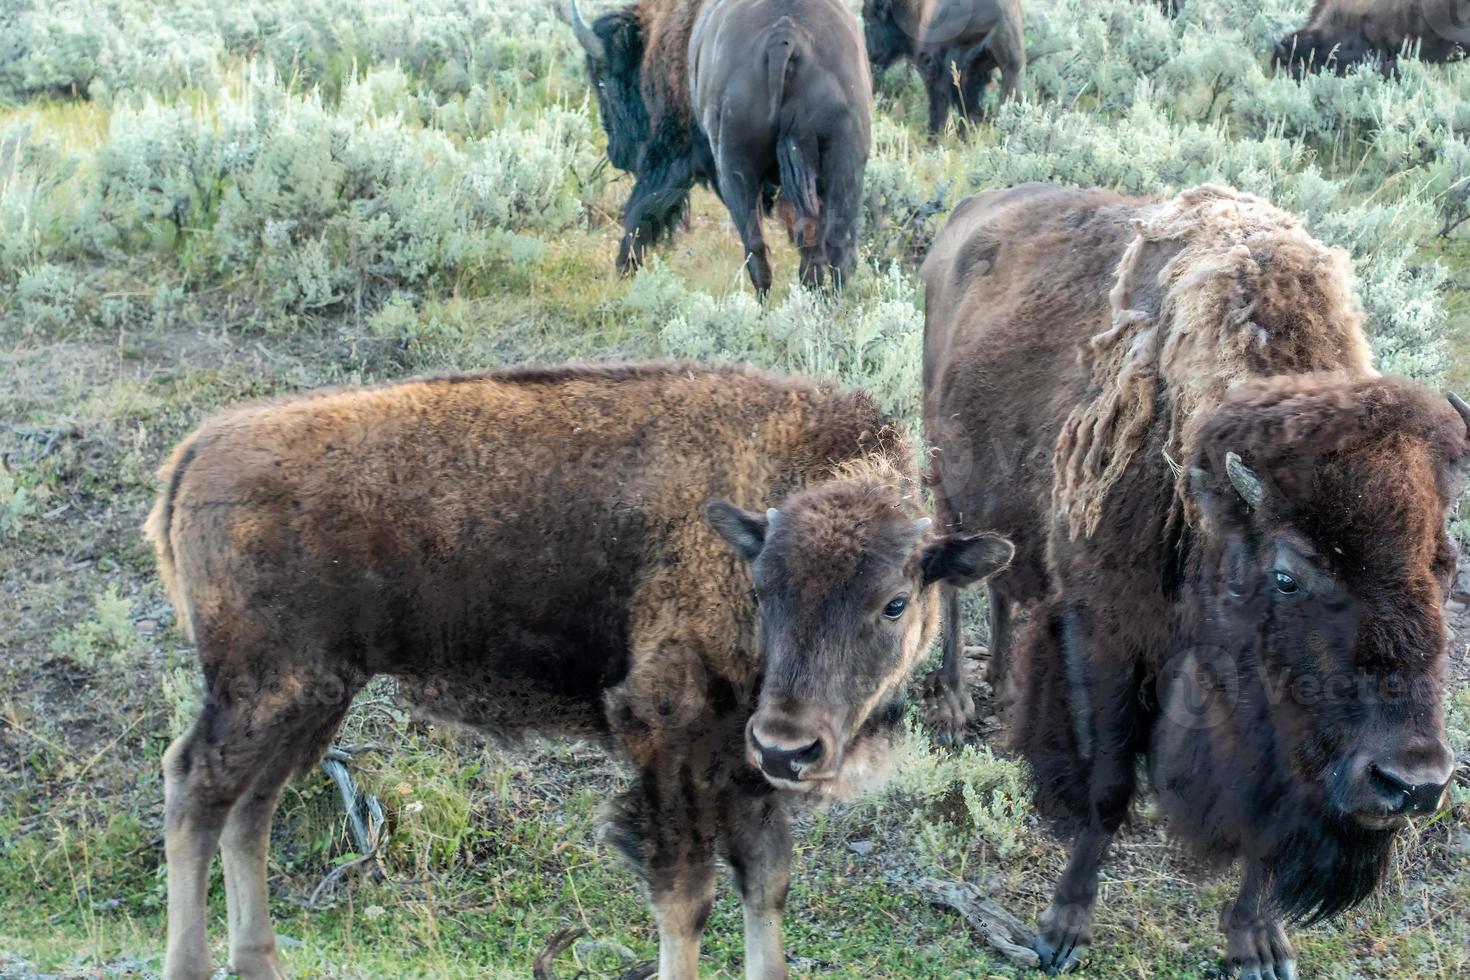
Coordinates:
[1285,584]
[895,608]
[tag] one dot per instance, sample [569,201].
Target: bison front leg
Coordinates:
[940,84]
[665,827]
[1256,944]
[759,850]
[1108,731]
[654,207]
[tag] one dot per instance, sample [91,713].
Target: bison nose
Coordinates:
[788,751]
[780,762]
[1412,780]
[1403,794]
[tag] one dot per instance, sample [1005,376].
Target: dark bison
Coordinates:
[1340,33]
[750,94]
[532,551]
[1230,537]
[954,45]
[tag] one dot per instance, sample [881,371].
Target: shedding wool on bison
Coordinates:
[1200,339]
[1231,540]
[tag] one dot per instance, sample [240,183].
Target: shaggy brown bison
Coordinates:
[1230,537]
[954,45]
[532,551]
[1340,33]
[752,94]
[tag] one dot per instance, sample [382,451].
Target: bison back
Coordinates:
[500,536]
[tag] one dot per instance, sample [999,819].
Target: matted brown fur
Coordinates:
[536,550]
[666,26]
[1246,292]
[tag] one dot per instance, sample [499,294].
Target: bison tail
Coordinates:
[798,166]
[780,50]
[158,528]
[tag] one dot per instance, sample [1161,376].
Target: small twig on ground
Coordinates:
[48,437]
[335,875]
[642,971]
[1007,934]
[541,967]
[364,813]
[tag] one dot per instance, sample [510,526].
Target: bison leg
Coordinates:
[844,159]
[221,782]
[743,189]
[939,83]
[946,693]
[664,826]
[974,79]
[999,616]
[759,850]
[1256,944]
[192,822]
[1109,731]
[654,206]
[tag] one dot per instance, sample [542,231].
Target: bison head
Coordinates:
[844,578]
[889,31]
[614,48]
[1308,722]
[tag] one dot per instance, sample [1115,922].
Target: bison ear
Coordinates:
[962,561]
[745,530]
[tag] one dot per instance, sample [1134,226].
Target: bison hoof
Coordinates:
[1062,956]
[1064,935]
[1261,951]
[948,705]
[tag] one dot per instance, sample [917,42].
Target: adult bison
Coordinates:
[954,45]
[531,551]
[1341,33]
[1230,535]
[752,94]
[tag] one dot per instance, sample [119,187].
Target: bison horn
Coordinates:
[587,36]
[1460,407]
[1246,483]
[771,515]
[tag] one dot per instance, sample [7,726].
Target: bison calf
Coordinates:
[1230,535]
[751,94]
[533,551]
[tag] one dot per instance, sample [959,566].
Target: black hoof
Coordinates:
[1066,955]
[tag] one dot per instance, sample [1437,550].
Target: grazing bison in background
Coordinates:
[1340,33]
[532,551]
[1230,536]
[750,94]
[941,37]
